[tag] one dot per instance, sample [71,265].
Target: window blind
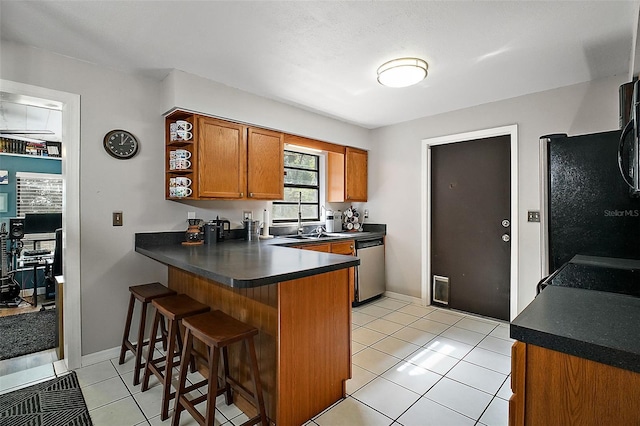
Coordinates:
[38,193]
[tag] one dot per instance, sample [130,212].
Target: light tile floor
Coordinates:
[412,365]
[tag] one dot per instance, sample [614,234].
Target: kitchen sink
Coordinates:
[307,237]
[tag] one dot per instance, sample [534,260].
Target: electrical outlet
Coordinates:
[366,214]
[117,218]
[191,215]
[533,216]
[247,215]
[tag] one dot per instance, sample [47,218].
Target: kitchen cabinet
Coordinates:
[325,247]
[222,154]
[265,164]
[338,247]
[228,160]
[347,175]
[347,248]
[555,388]
[172,145]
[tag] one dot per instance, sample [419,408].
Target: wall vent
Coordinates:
[440,289]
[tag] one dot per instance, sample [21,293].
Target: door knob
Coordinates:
[506,223]
[506,238]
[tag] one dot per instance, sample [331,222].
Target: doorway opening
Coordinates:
[39,289]
[427,235]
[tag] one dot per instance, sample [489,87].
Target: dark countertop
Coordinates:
[598,273]
[595,325]
[243,264]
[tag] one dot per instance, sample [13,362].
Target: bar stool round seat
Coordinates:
[172,309]
[144,293]
[217,330]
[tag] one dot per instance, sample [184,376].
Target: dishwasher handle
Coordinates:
[369,243]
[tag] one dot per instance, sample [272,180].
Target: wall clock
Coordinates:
[121,144]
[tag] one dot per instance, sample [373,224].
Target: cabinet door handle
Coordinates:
[241,194]
[251,194]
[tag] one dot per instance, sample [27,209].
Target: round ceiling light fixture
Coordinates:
[402,72]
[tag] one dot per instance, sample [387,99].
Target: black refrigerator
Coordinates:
[589,216]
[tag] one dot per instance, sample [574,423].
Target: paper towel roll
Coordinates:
[265,223]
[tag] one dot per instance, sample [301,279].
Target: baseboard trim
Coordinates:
[403,297]
[101,356]
[108,354]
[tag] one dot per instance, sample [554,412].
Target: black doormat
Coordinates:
[55,402]
[27,333]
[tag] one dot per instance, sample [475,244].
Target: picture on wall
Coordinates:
[4,177]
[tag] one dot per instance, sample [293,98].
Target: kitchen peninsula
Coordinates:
[299,300]
[577,355]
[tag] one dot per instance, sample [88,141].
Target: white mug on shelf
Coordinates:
[173,129]
[172,164]
[183,153]
[182,164]
[183,125]
[172,155]
[183,181]
[183,191]
[172,182]
[172,191]
[184,135]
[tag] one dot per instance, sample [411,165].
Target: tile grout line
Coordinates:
[444,375]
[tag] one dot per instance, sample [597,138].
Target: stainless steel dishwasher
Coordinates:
[370,280]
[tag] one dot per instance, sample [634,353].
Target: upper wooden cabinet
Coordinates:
[347,175]
[265,164]
[228,160]
[222,154]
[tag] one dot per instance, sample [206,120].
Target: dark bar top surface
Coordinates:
[243,264]
[596,325]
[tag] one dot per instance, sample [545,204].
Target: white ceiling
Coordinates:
[323,56]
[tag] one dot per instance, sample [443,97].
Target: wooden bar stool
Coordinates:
[217,331]
[172,309]
[145,293]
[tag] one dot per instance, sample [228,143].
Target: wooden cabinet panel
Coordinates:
[316,247]
[335,177]
[355,171]
[344,247]
[347,248]
[554,388]
[222,159]
[265,164]
[347,175]
[303,343]
[516,402]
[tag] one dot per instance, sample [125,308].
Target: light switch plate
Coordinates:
[117,218]
[533,216]
[247,215]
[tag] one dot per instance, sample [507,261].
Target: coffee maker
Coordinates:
[194,235]
[214,230]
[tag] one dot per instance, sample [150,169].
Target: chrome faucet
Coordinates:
[300,229]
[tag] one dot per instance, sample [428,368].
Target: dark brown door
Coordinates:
[470,223]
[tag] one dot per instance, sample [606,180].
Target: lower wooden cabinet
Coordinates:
[554,388]
[339,247]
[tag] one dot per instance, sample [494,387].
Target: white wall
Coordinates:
[394,169]
[201,95]
[112,100]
